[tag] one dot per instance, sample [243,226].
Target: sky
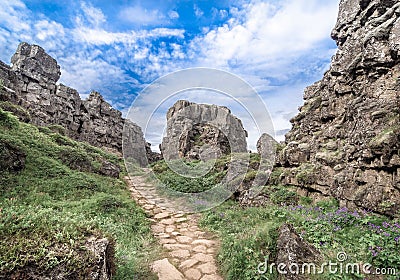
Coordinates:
[119,48]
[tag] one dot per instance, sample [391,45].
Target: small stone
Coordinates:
[173,247]
[184,239]
[205,242]
[193,274]
[157,228]
[211,250]
[175,233]
[156,211]
[167,221]
[167,241]
[163,235]
[200,249]
[182,254]
[212,277]
[189,234]
[148,207]
[203,257]
[184,225]
[180,220]
[199,233]
[162,215]
[208,268]
[166,271]
[169,229]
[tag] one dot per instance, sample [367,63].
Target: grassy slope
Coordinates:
[56,202]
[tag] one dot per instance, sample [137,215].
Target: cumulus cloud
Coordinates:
[263,32]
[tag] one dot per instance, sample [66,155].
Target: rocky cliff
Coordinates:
[31,83]
[345,140]
[201,131]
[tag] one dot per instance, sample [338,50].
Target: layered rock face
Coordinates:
[31,83]
[201,131]
[345,140]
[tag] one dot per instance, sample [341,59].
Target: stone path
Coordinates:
[191,251]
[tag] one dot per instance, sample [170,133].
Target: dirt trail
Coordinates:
[191,251]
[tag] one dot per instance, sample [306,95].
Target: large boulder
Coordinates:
[347,133]
[201,131]
[294,254]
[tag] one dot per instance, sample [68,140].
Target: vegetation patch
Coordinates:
[249,235]
[51,207]
[22,114]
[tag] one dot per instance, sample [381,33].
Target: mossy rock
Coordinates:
[22,114]
[12,157]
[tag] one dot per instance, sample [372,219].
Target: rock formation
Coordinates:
[266,146]
[293,252]
[200,131]
[345,140]
[31,83]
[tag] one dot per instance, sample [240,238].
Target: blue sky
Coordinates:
[119,47]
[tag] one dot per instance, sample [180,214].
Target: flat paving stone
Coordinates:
[169,228]
[167,241]
[212,277]
[203,257]
[200,249]
[181,220]
[162,215]
[167,221]
[184,239]
[208,268]
[181,254]
[166,271]
[188,263]
[176,246]
[157,228]
[193,274]
[205,242]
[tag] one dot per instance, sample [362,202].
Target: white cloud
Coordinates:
[139,15]
[262,31]
[94,16]
[46,29]
[197,11]
[173,15]
[13,15]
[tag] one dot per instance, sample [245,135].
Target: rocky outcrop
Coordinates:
[295,254]
[266,146]
[201,131]
[31,83]
[345,140]
[102,250]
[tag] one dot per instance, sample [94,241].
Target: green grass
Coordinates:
[57,201]
[179,183]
